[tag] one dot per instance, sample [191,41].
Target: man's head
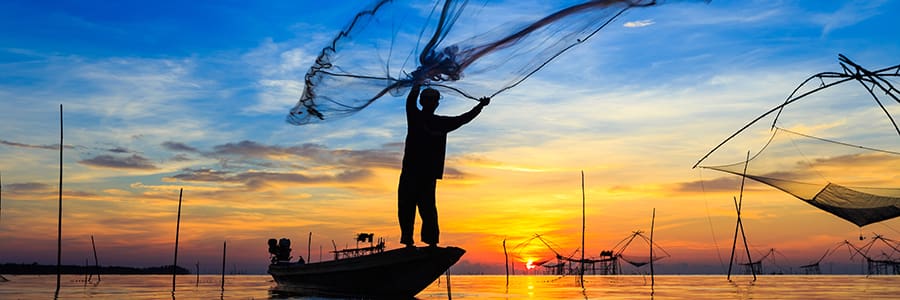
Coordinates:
[429,99]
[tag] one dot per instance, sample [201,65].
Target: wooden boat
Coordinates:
[398,273]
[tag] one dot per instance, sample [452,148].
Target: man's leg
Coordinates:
[428,212]
[406,209]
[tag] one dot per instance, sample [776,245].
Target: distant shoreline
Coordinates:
[38,269]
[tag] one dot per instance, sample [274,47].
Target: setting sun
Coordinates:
[530,264]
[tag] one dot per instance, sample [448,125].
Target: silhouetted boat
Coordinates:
[398,273]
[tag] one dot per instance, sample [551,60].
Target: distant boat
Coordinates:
[398,273]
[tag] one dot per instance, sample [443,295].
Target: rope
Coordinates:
[840,143]
[805,159]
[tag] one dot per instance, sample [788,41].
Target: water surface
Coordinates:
[473,287]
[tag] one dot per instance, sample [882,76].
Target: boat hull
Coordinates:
[396,273]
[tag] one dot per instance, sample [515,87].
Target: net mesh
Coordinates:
[845,180]
[469,48]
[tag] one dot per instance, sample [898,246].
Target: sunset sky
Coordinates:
[165,95]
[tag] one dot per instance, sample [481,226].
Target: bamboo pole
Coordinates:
[652,224]
[740,222]
[739,226]
[198,274]
[581,271]
[308,246]
[733,243]
[59,221]
[2,279]
[177,229]
[449,294]
[506,257]
[1,197]
[224,246]
[96,261]
[747,247]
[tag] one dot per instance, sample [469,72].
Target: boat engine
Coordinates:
[280,250]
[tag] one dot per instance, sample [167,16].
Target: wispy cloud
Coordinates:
[28,187]
[256,180]
[119,150]
[43,147]
[636,24]
[179,147]
[280,69]
[721,184]
[115,162]
[851,13]
[180,157]
[314,154]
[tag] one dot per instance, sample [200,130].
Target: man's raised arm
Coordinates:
[412,97]
[460,120]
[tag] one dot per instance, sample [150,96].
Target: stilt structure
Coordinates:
[618,251]
[887,264]
[756,267]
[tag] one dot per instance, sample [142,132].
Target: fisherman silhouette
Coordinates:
[423,161]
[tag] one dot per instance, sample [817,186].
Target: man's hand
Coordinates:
[417,75]
[420,75]
[484,101]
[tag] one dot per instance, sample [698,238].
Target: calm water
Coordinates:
[476,287]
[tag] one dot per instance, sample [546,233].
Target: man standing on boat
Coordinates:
[423,161]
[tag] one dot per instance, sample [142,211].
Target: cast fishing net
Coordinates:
[469,48]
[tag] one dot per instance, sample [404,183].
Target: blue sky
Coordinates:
[194,94]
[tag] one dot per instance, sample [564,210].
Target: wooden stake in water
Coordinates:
[1,197]
[449,295]
[581,272]
[2,279]
[740,226]
[198,274]
[96,261]
[59,222]
[652,223]
[224,246]
[309,247]
[177,229]
[506,257]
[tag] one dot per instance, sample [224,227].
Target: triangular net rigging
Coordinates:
[855,182]
[470,49]
[638,255]
[807,167]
